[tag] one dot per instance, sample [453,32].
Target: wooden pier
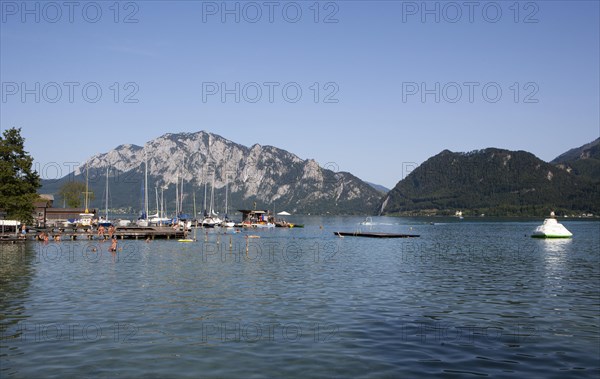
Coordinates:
[11,239]
[158,232]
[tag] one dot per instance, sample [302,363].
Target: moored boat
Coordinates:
[124,223]
[86,218]
[105,222]
[211,222]
[257,219]
[264,225]
[227,224]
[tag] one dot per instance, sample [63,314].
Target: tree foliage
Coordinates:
[73,193]
[18,181]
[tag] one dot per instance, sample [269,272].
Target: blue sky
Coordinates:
[394,85]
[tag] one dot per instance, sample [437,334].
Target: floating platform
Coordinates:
[375,235]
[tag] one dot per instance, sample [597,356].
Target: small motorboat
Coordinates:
[551,228]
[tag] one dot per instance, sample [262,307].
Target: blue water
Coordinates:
[468,298]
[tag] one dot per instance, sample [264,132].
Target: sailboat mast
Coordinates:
[226,193]
[177,196]
[107,193]
[156,195]
[165,204]
[205,184]
[162,202]
[86,189]
[181,197]
[146,188]
[181,193]
[212,195]
[194,194]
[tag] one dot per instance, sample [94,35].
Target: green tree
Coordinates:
[18,182]
[73,193]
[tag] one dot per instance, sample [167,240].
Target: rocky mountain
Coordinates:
[491,181]
[583,161]
[271,177]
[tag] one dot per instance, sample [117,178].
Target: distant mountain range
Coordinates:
[490,181]
[499,182]
[379,187]
[270,177]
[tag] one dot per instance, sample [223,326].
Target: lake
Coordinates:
[476,297]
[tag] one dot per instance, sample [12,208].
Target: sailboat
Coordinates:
[212,219]
[86,218]
[227,223]
[105,222]
[159,217]
[124,223]
[143,220]
[181,219]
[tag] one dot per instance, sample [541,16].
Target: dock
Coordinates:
[11,239]
[158,232]
[375,235]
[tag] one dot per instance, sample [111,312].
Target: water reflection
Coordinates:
[16,271]
[554,253]
[556,245]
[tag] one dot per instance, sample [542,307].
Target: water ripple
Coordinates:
[465,299]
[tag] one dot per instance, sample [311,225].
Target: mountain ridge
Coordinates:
[583,161]
[492,181]
[266,175]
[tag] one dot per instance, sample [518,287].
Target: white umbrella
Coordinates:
[284,213]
